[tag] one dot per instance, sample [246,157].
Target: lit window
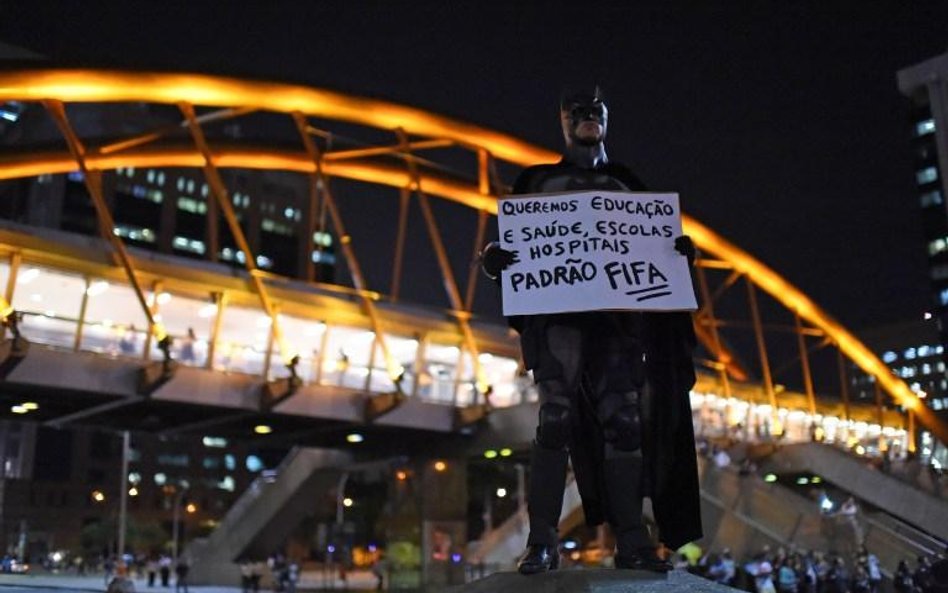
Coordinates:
[190,186]
[322,257]
[321,238]
[931,198]
[191,205]
[185,244]
[937,246]
[150,176]
[230,462]
[926,126]
[134,233]
[926,175]
[910,353]
[272,226]
[924,351]
[216,442]
[264,262]
[161,178]
[254,464]
[160,479]
[940,367]
[227,484]
[181,182]
[926,369]
[75,176]
[204,190]
[889,357]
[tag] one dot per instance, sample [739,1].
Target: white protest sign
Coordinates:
[592,251]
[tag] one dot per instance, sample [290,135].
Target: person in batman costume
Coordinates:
[614,386]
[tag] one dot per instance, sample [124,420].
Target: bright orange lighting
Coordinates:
[401,475]
[191,508]
[98,496]
[440,466]
[100,86]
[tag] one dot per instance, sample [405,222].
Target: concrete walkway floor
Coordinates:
[309,581]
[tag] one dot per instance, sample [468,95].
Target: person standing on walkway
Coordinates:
[164,568]
[181,575]
[151,568]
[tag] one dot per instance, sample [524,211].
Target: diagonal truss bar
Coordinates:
[762,348]
[724,359]
[219,190]
[93,181]
[805,366]
[394,369]
[447,275]
[397,150]
[483,186]
[149,137]
[404,198]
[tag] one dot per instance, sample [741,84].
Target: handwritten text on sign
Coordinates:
[593,250]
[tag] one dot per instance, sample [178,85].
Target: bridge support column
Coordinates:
[427,533]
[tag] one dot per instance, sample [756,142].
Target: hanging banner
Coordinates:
[593,251]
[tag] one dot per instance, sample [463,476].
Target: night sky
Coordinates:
[779,123]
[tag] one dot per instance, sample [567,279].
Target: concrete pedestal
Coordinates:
[593,581]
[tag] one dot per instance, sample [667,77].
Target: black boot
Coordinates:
[545,494]
[645,558]
[622,473]
[539,558]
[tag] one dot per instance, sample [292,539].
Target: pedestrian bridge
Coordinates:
[110,328]
[246,342]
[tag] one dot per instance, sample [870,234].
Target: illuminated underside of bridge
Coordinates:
[396,164]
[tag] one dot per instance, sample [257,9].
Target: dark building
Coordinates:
[925,86]
[914,352]
[60,488]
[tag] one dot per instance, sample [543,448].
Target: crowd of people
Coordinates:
[798,571]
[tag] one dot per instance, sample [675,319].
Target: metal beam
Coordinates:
[221,196]
[93,182]
[447,275]
[394,368]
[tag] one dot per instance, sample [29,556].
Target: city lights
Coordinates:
[18,410]
[98,496]
[401,475]
[354,438]
[505,452]
[770,478]
[191,508]
[440,466]
[133,491]
[262,429]
[490,454]
[501,492]
[347,502]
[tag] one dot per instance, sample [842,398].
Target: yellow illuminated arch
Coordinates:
[171,88]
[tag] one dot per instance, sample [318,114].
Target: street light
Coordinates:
[176,514]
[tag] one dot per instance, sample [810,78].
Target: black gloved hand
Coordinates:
[495,259]
[685,246]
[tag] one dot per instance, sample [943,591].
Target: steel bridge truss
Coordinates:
[411,160]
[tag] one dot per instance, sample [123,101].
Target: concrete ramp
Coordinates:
[899,499]
[264,516]
[745,513]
